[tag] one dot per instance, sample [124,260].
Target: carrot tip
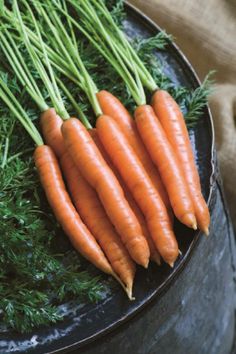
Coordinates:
[189,220]
[171,264]
[206,231]
[129,293]
[127,289]
[146,265]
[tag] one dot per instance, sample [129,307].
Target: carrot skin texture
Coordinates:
[51,124]
[172,121]
[163,155]
[93,215]
[64,211]
[112,107]
[140,185]
[92,166]
[154,254]
[88,204]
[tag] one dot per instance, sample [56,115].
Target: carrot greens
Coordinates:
[35,275]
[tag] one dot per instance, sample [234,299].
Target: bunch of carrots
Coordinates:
[114,188]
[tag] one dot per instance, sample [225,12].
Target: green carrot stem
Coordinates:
[114,40]
[60,105]
[135,64]
[64,63]
[56,61]
[54,57]
[9,99]
[89,87]
[50,83]
[5,158]
[82,116]
[146,77]
[91,19]
[5,153]
[73,37]
[21,70]
[61,60]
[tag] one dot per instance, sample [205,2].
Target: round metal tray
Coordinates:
[86,323]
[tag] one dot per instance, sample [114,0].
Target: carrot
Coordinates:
[92,166]
[59,200]
[50,124]
[140,185]
[172,121]
[163,155]
[154,254]
[93,215]
[112,107]
[88,204]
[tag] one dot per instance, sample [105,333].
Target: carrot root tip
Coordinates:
[171,264]
[129,293]
[189,220]
[127,289]
[206,231]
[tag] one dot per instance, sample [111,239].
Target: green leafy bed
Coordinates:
[39,270]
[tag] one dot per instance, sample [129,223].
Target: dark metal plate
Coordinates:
[86,323]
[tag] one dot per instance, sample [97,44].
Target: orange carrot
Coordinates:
[163,155]
[50,124]
[94,169]
[88,204]
[112,107]
[172,121]
[93,215]
[154,254]
[140,185]
[54,187]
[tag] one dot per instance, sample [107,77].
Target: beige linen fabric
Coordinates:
[205,30]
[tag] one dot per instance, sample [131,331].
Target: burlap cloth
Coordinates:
[205,30]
